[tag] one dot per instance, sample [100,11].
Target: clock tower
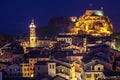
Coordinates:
[33,38]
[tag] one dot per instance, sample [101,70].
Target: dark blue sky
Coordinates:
[16,15]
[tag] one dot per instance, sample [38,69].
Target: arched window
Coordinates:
[98,68]
[53,66]
[50,66]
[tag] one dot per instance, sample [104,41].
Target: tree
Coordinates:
[6,37]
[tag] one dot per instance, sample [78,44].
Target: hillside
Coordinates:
[55,25]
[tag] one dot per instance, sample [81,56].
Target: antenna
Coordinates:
[101,8]
[32,20]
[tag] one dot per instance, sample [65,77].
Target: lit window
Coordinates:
[15,69]
[88,75]
[10,74]
[62,70]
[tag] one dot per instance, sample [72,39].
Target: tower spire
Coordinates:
[32,20]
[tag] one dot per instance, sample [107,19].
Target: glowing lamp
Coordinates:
[32,26]
[99,13]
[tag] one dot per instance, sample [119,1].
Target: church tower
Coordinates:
[33,38]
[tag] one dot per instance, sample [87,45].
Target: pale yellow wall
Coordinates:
[98,66]
[33,41]
[67,40]
[52,69]
[92,73]
[27,71]
[69,72]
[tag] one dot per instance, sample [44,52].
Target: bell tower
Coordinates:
[33,38]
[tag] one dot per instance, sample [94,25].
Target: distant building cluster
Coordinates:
[88,55]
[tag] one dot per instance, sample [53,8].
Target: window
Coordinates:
[19,69]
[99,79]
[98,68]
[62,70]
[25,69]
[96,61]
[15,74]
[10,70]
[18,74]
[88,75]
[50,66]
[95,75]
[31,69]
[15,69]
[53,66]
[10,74]
[38,73]
[38,68]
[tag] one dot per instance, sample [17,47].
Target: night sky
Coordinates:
[16,15]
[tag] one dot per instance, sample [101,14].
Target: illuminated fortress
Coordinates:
[93,22]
